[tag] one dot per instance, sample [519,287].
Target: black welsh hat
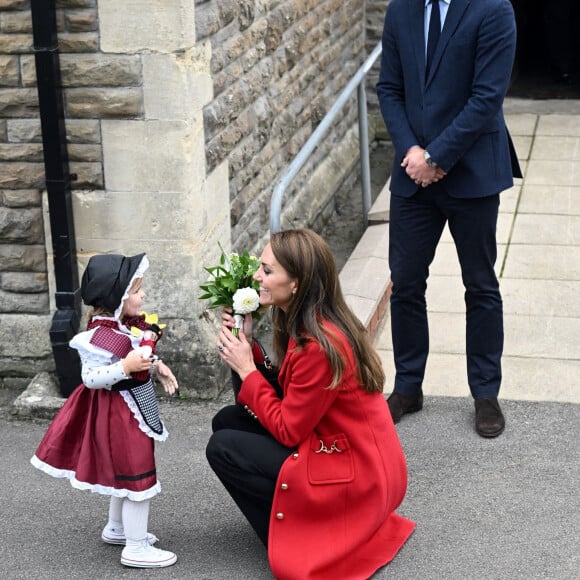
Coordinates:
[107,279]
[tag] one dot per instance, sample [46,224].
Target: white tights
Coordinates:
[130,516]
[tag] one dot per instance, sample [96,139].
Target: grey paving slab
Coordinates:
[546,229]
[521,124]
[556,148]
[548,198]
[542,337]
[532,379]
[543,172]
[543,262]
[555,298]
[559,125]
[523,145]
[525,379]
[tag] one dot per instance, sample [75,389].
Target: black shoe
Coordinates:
[400,405]
[489,420]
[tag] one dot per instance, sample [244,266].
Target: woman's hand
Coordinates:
[236,352]
[228,320]
[166,377]
[135,363]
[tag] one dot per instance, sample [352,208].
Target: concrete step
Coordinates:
[379,212]
[365,278]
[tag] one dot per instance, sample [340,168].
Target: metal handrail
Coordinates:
[355,83]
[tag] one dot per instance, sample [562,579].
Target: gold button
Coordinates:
[280,515]
[284,486]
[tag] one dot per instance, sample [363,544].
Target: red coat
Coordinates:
[333,511]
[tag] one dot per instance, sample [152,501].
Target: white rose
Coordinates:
[246,300]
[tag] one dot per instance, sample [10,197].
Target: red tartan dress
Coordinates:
[101,439]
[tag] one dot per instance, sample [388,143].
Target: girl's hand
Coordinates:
[228,320]
[135,363]
[236,352]
[166,377]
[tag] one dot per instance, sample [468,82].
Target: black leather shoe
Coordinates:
[400,405]
[489,420]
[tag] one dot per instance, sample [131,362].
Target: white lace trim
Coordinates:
[143,265]
[142,425]
[95,488]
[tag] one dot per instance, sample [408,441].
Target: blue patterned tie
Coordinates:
[434,34]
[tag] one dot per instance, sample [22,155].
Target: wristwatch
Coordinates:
[428,159]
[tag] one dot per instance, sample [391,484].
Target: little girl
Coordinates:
[103,437]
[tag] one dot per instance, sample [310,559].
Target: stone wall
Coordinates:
[375,17]
[180,117]
[277,67]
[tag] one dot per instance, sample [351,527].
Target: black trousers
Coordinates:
[416,225]
[247,460]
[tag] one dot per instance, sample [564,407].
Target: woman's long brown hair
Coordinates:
[307,258]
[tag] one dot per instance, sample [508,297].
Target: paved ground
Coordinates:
[502,509]
[538,265]
[505,509]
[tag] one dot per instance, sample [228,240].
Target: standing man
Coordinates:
[445,70]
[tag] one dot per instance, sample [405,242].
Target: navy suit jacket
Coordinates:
[455,113]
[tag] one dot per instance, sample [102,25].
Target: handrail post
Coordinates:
[363,139]
[314,139]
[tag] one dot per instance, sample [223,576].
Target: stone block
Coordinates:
[24,130]
[25,282]
[83,131]
[9,71]
[33,336]
[26,303]
[100,70]
[78,42]
[88,174]
[104,103]
[16,22]
[85,153]
[16,175]
[76,4]
[146,25]
[16,43]
[186,81]
[20,197]
[21,152]
[41,399]
[21,225]
[14,4]
[81,20]
[22,258]
[158,156]
[18,103]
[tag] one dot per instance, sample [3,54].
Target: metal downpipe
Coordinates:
[65,322]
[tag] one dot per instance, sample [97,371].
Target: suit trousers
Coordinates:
[415,228]
[247,460]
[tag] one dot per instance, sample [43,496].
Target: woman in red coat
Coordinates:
[319,472]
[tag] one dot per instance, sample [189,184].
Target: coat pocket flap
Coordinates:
[330,459]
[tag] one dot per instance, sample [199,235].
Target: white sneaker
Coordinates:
[114,536]
[146,556]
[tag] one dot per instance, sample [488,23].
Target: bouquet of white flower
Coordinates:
[231,284]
